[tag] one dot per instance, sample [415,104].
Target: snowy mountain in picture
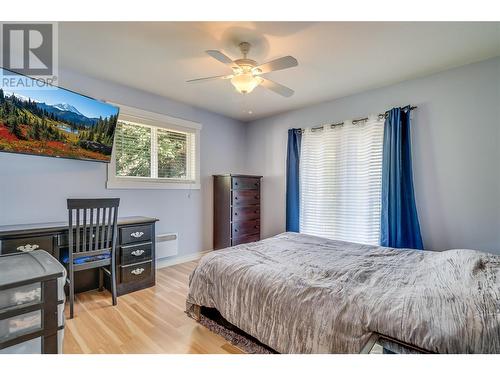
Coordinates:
[67,107]
[70,113]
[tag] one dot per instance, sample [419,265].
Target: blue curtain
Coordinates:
[399,220]
[292,180]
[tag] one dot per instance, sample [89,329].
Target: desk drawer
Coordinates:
[135,253]
[135,234]
[14,245]
[136,272]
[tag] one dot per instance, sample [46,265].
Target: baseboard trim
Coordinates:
[172,261]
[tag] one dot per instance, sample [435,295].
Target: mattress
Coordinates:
[304,294]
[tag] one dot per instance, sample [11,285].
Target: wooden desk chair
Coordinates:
[92,240]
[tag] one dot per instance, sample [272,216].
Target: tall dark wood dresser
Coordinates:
[236,209]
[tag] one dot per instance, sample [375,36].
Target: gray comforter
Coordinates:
[303,294]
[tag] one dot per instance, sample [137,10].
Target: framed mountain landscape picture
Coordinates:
[40,119]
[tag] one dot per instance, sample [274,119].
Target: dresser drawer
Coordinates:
[243,228]
[246,213]
[14,245]
[246,197]
[135,234]
[245,239]
[136,272]
[245,183]
[135,253]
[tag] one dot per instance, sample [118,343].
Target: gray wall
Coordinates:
[34,189]
[456,153]
[455,145]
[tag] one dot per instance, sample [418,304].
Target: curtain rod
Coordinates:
[355,121]
[380,115]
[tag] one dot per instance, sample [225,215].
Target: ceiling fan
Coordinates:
[247,75]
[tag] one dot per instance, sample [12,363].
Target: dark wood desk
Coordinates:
[135,250]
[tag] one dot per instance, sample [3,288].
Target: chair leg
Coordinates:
[71,291]
[113,278]
[101,279]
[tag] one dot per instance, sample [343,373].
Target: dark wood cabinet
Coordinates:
[136,263]
[135,250]
[236,210]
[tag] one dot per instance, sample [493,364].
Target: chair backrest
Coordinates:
[92,226]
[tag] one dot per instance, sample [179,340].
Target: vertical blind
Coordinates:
[341,181]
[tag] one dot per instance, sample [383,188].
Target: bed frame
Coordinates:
[197,313]
[389,344]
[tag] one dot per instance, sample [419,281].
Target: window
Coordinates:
[132,150]
[341,181]
[154,151]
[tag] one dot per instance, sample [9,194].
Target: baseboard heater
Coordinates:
[166,245]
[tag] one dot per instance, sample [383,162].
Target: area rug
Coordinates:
[211,319]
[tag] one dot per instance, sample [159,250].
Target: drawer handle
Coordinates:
[137,252]
[236,198]
[137,234]
[27,248]
[236,183]
[236,230]
[137,271]
[235,214]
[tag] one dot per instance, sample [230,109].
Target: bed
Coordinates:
[304,294]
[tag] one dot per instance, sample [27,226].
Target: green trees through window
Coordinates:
[172,161]
[133,150]
[145,151]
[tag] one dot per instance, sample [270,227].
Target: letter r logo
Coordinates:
[28,48]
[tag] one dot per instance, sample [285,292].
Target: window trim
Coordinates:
[161,121]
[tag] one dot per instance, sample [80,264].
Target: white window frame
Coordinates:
[160,121]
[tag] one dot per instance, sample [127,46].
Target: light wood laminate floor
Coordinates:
[148,321]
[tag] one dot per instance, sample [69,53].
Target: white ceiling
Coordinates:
[336,59]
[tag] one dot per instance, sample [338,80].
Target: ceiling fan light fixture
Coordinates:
[245,83]
[247,72]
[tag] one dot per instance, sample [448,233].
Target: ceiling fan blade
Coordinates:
[219,56]
[277,88]
[209,78]
[278,64]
